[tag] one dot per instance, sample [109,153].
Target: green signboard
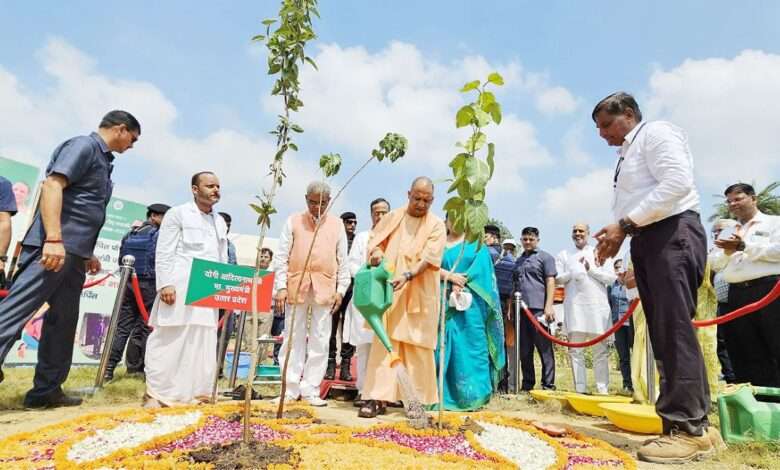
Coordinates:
[227,286]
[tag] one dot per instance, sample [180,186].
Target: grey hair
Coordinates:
[617,103]
[318,187]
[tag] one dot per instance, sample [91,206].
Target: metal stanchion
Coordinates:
[124,274]
[650,368]
[222,349]
[237,349]
[518,298]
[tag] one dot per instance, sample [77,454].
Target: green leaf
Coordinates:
[258,37]
[310,61]
[483,118]
[495,112]
[296,128]
[485,99]
[464,116]
[491,157]
[496,79]
[476,216]
[477,173]
[295,147]
[269,22]
[473,85]
[257,208]
[458,162]
[330,164]
[454,203]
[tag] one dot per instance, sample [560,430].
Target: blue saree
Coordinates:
[474,339]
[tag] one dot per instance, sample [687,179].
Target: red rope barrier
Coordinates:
[3,293]
[744,310]
[139,300]
[583,344]
[93,283]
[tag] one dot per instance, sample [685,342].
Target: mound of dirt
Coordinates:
[240,456]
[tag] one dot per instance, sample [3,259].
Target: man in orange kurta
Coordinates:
[411,241]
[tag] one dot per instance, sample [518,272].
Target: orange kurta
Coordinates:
[412,320]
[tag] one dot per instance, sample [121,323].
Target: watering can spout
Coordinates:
[372,296]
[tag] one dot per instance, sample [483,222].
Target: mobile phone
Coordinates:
[727,233]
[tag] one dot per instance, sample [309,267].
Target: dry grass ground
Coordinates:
[125,392]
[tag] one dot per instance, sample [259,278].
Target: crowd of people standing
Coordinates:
[655,204]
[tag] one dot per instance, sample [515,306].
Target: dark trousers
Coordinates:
[347,350]
[31,288]
[669,258]
[530,339]
[277,328]
[752,341]
[726,370]
[130,326]
[624,342]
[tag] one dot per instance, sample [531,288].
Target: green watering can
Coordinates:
[372,295]
[749,413]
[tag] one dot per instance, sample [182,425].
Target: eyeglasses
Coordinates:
[350,222]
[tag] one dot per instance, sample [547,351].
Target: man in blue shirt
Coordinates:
[535,279]
[58,251]
[7,210]
[624,337]
[492,240]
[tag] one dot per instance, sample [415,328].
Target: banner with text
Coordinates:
[227,286]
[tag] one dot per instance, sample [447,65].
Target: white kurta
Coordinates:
[181,350]
[586,307]
[357,332]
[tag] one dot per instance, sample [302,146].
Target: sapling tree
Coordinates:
[286,52]
[466,209]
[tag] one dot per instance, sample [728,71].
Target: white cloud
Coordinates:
[33,122]
[729,109]
[581,198]
[356,96]
[556,100]
[573,152]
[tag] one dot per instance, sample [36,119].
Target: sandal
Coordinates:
[369,410]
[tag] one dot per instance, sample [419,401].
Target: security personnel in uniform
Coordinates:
[57,251]
[140,242]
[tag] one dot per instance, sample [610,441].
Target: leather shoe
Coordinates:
[344,372]
[330,372]
[2,376]
[53,400]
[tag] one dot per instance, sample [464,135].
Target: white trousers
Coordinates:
[309,355]
[600,363]
[362,351]
[180,363]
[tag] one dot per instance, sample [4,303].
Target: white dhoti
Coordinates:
[181,363]
[600,363]
[362,351]
[309,355]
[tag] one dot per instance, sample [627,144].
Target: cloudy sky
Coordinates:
[188,71]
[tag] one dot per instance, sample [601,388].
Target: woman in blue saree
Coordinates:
[473,338]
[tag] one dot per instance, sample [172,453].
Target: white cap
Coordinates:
[510,241]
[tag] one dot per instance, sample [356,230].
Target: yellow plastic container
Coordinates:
[589,404]
[547,395]
[632,417]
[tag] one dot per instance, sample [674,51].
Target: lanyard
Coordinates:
[622,156]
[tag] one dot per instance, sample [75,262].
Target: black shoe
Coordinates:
[344,372]
[330,372]
[548,387]
[53,400]
[108,376]
[2,376]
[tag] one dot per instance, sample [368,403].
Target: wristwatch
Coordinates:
[408,276]
[628,227]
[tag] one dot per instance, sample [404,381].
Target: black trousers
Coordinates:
[33,286]
[624,342]
[530,339]
[277,327]
[723,355]
[347,350]
[669,258]
[752,341]
[131,331]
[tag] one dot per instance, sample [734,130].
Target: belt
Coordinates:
[638,230]
[754,282]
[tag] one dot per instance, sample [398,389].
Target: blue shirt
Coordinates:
[505,268]
[232,259]
[86,162]
[7,199]
[495,252]
[531,273]
[618,301]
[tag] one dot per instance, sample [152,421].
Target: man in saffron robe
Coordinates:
[411,241]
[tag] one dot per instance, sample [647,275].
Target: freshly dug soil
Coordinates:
[237,455]
[471,425]
[271,414]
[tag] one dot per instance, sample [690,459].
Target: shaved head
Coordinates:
[423,183]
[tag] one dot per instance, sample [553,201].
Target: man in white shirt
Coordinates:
[656,203]
[586,306]
[749,260]
[319,285]
[355,331]
[180,361]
